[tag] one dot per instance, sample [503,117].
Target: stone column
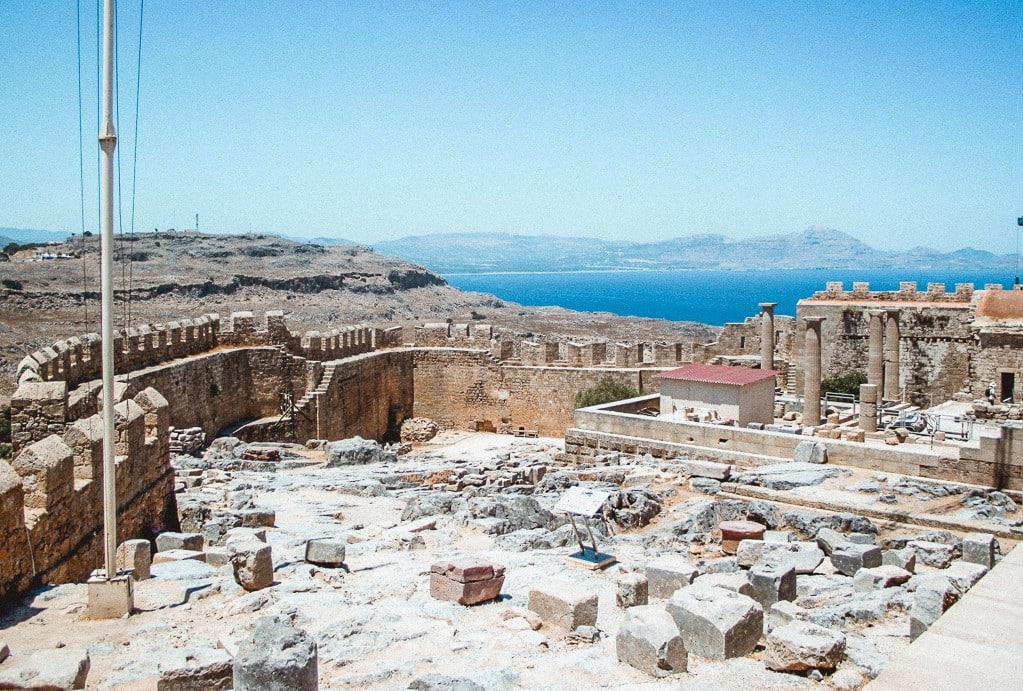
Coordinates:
[767,335]
[891,356]
[875,345]
[868,407]
[812,372]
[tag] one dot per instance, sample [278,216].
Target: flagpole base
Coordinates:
[110,598]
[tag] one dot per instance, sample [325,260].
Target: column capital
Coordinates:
[768,306]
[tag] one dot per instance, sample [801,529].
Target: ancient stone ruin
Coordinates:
[327,506]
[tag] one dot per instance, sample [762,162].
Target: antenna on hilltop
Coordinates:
[197,223]
[1019,222]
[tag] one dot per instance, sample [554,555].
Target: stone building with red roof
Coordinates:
[718,393]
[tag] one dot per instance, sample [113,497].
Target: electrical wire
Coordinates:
[81,164]
[135,154]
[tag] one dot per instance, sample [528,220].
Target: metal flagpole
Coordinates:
[107,143]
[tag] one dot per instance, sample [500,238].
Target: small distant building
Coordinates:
[715,393]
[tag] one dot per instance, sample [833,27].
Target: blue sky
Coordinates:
[899,123]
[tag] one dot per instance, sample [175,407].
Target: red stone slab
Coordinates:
[734,532]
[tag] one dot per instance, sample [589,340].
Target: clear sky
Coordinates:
[900,123]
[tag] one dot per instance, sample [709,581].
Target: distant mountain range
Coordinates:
[814,248]
[24,236]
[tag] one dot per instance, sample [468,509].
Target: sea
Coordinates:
[709,297]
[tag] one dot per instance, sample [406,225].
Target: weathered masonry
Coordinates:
[260,380]
[993,460]
[925,346]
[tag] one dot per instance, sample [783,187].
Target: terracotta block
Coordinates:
[466,581]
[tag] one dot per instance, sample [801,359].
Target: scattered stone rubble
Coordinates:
[283,558]
[188,441]
[417,430]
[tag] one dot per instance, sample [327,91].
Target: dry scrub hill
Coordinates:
[173,275]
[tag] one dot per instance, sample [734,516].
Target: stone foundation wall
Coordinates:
[51,514]
[367,395]
[991,461]
[463,389]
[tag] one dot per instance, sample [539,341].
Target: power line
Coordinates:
[81,164]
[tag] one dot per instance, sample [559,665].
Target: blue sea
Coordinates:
[710,297]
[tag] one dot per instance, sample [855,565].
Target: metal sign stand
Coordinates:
[585,503]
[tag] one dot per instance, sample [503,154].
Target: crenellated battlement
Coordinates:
[79,358]
[908,292]
[539,350]
[51,503]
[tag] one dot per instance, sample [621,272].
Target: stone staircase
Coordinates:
[790,379]
[303,404]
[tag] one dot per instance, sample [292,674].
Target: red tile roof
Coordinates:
[719,374]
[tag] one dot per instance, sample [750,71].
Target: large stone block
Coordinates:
[736,581]
[633,590]
[904,558]
[964,575]
[195,669]
[137,556]
[936,554]
[803,557]
[47,471]
[811,452]
[170,540]
[252,562]
[849,558]
[781,613]
[772,582]
[466,581]
[258,518]
[933,595]
[276,657]
[178,555]
[829,539]
[565,604]
[59,668]
[979,548]
[716,623]
[649,640]
[325,552]
[800,645]
[668,573]
[879,577]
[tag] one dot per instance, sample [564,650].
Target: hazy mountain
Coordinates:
[26,235]
[812,248]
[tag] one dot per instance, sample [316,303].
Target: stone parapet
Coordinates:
[907,292]
[78,359]
[51,504]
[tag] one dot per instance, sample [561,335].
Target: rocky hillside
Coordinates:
[172,275]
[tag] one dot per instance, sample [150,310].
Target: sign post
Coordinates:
[585,503]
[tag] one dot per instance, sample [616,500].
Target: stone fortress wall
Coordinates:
[938,348]
[364,381]
[214,375]
[51,496]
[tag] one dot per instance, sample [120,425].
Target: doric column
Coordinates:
[812,372]
[868,407]
[767,335]
[891,356]
[875,352]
